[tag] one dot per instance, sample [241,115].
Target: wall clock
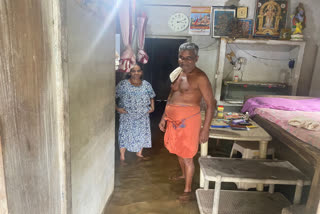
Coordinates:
[178,22]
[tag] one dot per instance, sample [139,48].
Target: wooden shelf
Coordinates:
[262,84]
[267,61]
[266,41]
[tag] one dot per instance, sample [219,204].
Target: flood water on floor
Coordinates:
[143,187]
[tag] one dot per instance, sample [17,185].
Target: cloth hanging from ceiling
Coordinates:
[126,17]
[142,56]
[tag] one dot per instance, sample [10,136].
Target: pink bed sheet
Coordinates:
[281,118]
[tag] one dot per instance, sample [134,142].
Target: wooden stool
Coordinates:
[249,150]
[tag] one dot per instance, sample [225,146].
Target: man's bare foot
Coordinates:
[186,197]
[176,177]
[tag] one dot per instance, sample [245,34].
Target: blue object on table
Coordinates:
[219,126]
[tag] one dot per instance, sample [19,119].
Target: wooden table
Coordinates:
[254,135]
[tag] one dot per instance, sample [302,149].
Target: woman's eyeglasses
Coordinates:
[136,71]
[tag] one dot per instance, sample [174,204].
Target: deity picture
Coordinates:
[222,22]
[200,19]
[299,20]
[244,28]
[271,17]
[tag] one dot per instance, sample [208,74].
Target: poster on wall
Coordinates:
[222,22]
[200,21]
[244,28]
[271,17]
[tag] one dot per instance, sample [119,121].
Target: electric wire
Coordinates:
[208,45]
[258,57]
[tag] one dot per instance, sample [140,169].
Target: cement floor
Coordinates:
[143,187]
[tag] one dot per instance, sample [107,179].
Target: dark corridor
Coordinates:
[163,59]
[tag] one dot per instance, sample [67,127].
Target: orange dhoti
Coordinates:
[182,130]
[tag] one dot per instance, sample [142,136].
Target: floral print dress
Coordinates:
[134,127]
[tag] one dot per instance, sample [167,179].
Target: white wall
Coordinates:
[315,86]
[91,51]
[158,12]
[311,65]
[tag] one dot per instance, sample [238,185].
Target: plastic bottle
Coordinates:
[246,116]
[220,112]
[236,79]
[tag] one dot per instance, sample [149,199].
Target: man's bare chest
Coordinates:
[184,84]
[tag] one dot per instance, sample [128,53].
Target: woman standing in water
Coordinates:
[135,104]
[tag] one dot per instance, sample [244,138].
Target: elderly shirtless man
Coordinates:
[181,120]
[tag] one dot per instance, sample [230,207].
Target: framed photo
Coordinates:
[271,17]
[242,12]
[244,28]
[222,21]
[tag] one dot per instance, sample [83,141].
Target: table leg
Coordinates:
[263,146]
[206,185]
[204,149]
[298,193]
[204,153]
[216,196]
[271,188]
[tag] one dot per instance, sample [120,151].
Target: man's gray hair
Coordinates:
[189,46]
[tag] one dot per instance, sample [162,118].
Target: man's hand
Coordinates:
[162,125]
[121,111]
[204,135]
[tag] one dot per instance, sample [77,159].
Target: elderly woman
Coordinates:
[135,104]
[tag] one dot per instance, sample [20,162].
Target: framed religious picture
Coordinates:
[222,20]
[271,17]
[242,12]
[200,21]
[244,28]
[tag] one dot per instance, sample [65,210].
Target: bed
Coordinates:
[299,146]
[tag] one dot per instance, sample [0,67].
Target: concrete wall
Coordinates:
[309,71]
[312,53]
[315,86]
[159,11]
[34,138]
[91,42]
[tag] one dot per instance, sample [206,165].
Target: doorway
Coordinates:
[163,59]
